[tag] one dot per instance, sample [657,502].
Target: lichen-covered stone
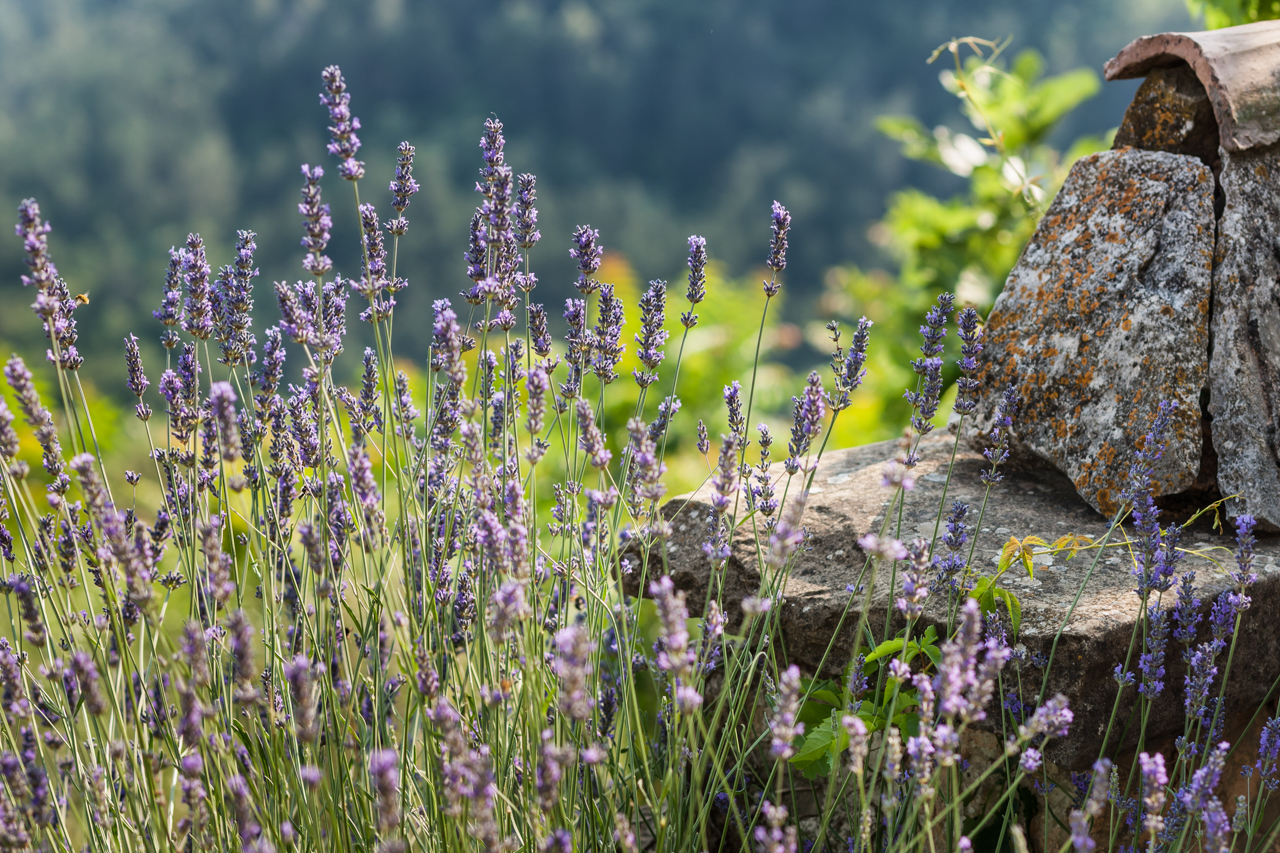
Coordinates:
[1171,112]
[848,500]
[1106,315]
[1244,369]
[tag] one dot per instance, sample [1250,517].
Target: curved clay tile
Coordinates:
[1238,66]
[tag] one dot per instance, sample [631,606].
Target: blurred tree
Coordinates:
[1217,14]
[966,244]
[136,121]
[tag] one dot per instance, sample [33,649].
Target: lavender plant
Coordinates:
[369,619]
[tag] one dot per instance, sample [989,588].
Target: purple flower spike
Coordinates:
[588,255]
[783,725]
[403,186]
[1154,781]
[526,230]
[317,223]
[35,244]
[807,412]
[222,401]
[997,450]
[697,279]
[778,244]
[653,307]
[343,142]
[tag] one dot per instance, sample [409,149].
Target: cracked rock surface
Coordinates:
[1106,315]
[1244,369]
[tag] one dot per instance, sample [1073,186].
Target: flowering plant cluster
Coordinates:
[363,619]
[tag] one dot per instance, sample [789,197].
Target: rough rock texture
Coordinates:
[847,501]
[1171,112]
[1105,315]
[1244,369]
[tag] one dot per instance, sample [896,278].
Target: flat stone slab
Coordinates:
[1244,368]
[1106,315]
[848,501]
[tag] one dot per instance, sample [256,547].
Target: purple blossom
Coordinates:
[571,664]
[733,402]
[1154,781]
[675,656]
[590,439]
[476,255]
[781,224]
[526,229]
[787,534]
[588,255]
[697,290]
[1244,576]
[197,317]
[653,306]
[403,186]
[343,142]
[1151,662]
[882,548]
[970,348]
[384,773]
[915,584]
[807,412]
[317,223]
[997,449]
[724,484]
[1050,720]
[849,367]
[606,348]
[783,724]
[222,403]
[956,537]
[1198,797]
[35,244]
[37,416]
[704,440]
[507,607]
[540,338]
[1201,670]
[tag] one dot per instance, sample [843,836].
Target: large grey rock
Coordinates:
[848,500]
[1106,315]
[1244,369]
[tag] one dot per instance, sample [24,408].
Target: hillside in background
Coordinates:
[135,121]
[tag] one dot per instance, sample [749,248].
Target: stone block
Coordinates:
[1244,367]
[847,501]
[1106,315]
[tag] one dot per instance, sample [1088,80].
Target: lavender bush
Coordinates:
[369,619]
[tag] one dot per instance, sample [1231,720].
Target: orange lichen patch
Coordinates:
[1117,268]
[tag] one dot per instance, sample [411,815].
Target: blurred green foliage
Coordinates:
[968,243]
[137,121]
[1217,14]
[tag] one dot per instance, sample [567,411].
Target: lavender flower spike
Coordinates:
[697,279]
[317,223]
[588,255]
[343,142]
[783,724]
[997,450]
[1154,780]
[35,243]
[590,439]
[222,401]
[777,260]
[526,230]
[403,186]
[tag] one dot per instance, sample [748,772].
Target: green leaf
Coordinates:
[889,647]
[1015,608]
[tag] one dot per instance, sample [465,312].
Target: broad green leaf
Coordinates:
[889,647]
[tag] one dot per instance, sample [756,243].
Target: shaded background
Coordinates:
[136,121]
